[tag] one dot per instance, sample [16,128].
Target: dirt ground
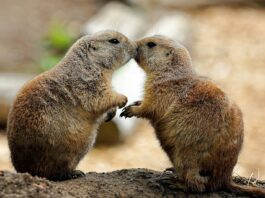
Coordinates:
[123,183]
[228,46]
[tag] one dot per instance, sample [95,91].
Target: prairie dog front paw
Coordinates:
[127,112]
[130,110]
[110,114]
[122,101]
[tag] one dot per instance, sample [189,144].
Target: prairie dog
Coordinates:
[53,121]
[198,126]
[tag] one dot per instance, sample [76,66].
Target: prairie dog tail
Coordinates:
[246,190]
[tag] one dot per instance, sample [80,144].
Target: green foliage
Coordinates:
[59,37]
[55,45]
[47,62]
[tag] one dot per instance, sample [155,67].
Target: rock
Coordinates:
[121,183]
[176,25]
[24,185]
[117,16]
[10,83]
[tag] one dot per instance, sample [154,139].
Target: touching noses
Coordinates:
[137,49]
[134,48]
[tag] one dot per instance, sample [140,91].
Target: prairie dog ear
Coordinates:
[92,45]
[169,52]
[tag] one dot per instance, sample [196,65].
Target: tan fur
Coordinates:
[54,119]
[199,128]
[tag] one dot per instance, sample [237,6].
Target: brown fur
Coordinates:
[199,128]
[54,118]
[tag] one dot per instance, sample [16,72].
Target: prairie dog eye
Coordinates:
[151,44]
[114,41]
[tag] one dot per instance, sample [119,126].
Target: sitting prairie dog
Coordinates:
[54,119]
[199,128]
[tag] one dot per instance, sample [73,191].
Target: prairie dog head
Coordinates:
[159,53]
[108,49]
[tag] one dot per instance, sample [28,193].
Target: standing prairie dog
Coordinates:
[53,121]
[199,128]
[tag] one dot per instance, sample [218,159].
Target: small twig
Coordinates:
[249,179]
[255,182]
